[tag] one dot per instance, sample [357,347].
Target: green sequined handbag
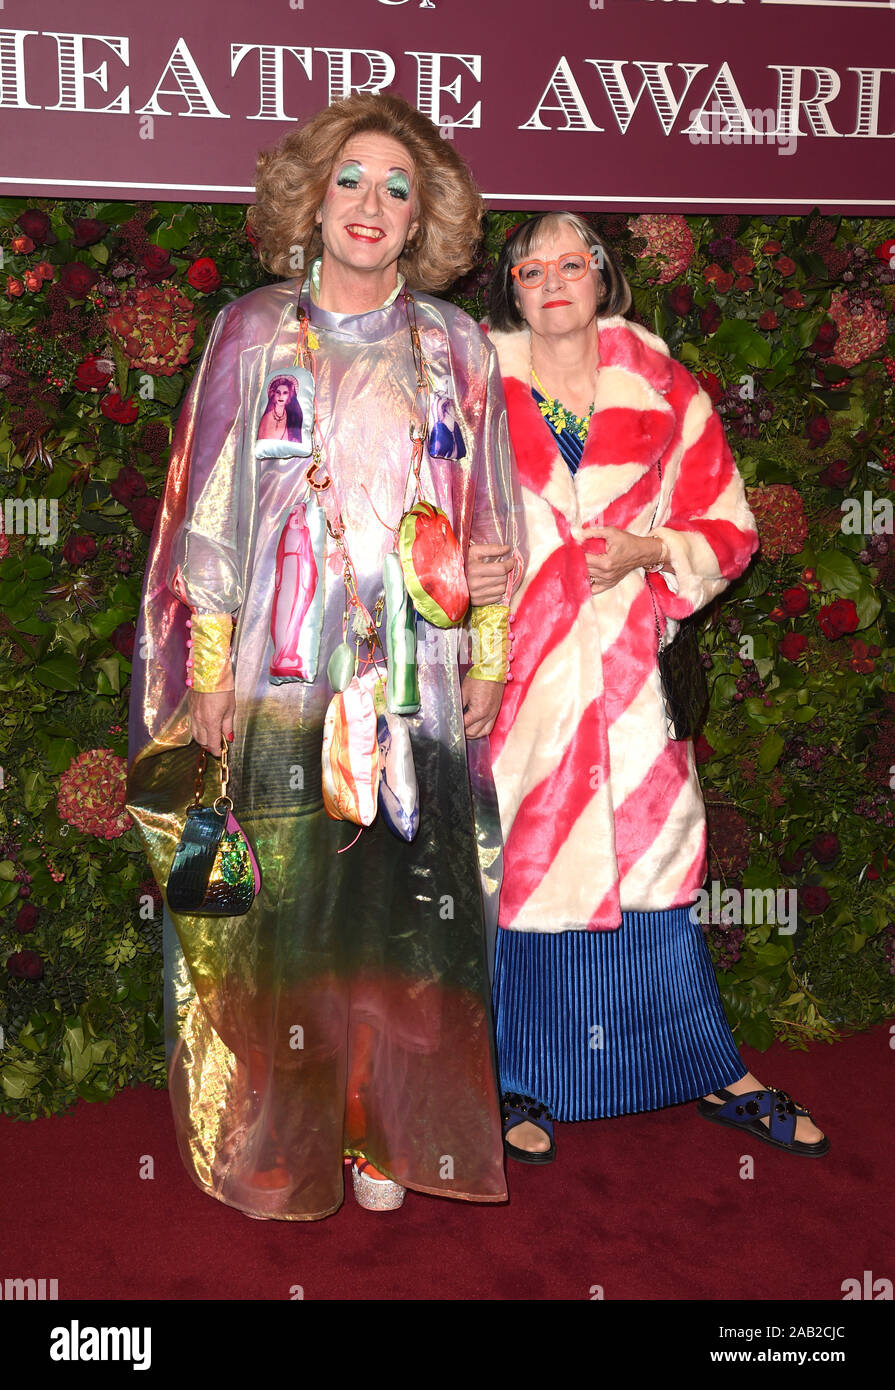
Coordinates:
[214,871]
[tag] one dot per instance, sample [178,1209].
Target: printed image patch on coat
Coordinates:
[286,414]
[445,435]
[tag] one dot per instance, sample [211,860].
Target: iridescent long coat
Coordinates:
[348,1010]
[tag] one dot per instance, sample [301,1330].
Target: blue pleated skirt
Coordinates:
[599,1023]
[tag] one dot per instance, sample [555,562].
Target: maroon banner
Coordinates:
[660,105]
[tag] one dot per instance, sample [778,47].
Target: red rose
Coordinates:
[26,917]
[45,270]
[710,318]
[710,384]
[837,618]
[791,863]
[770,248]
[818,430]
[122,640]
[33,281]
[792,299]
[79,549]
[825,847]
[157,263]
[795,601]
[92,374]
[826,338]
[127,485]
[815,899]
[838,474]
[36,225]
[768,321]
[860,657]
[76,279]
[793,645]
[784,265]
[14,287]
[203,275]
[744,282]
[88,231]
[25,965]
[118,408]
[143,512]
[743,263]
[22,245]
[680,300]
[721,279]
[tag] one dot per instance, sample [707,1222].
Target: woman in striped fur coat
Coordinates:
[605,998]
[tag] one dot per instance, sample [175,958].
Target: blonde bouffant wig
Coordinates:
[291,181]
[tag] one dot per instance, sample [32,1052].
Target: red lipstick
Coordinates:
[362,227]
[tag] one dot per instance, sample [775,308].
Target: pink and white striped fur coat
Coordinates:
[602,811]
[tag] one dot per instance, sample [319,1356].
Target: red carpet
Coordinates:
[648,1206]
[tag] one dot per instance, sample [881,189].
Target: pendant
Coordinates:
[433,566]
[445,436]
[399,802]
[403,689]
[340,667]
[350,761]
[296,619]
[286,414]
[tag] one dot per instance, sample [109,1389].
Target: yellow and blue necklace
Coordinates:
[557,415]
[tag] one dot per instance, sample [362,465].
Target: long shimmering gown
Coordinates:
[348,1011]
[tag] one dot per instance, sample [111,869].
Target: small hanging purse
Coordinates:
[682,677]
[214,872]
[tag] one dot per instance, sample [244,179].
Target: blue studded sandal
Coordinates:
[745,1111]
[515,1110]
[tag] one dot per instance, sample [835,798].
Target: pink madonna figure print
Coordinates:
[298,598]
[284,426]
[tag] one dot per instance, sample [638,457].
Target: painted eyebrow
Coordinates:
[359,164]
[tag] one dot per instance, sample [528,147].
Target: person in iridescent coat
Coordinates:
[347,1014]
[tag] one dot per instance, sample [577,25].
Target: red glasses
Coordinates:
[532,273]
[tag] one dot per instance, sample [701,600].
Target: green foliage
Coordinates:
[792,749]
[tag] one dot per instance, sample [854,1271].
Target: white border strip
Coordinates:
[837,4]
[517,199]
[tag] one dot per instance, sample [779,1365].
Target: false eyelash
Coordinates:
[399,191]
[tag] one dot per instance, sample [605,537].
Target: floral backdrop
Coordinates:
[788,322]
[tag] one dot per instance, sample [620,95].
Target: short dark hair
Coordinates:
[503,312]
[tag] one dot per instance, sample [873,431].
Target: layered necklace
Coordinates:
[363,624]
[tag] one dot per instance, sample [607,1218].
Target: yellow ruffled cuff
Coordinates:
[208,657]
[489,627]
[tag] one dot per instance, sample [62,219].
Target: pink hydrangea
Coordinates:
[780,518]
[156,329]
[669,238]
[860,335]
[92,794]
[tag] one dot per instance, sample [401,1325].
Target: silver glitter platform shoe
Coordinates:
[375,1194]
